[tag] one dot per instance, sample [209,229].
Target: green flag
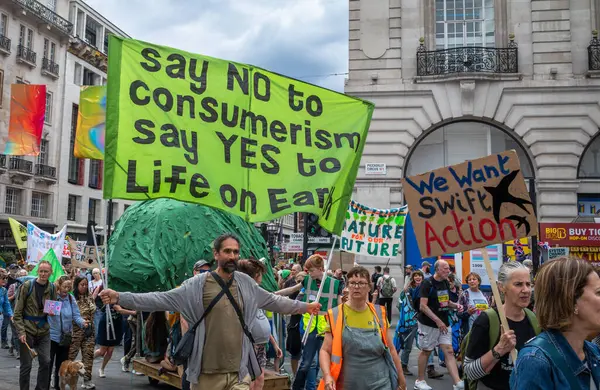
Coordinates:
[57,269]
[228,135]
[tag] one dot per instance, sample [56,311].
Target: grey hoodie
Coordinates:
[187,300]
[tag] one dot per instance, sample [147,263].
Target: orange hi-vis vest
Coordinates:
[335,316]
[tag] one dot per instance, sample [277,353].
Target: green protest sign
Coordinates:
[228,135]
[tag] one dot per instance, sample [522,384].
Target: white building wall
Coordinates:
[12,71]
[552,107]
[73,82]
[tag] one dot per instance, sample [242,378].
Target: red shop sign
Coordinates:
[570,234]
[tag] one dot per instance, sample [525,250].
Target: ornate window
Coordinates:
[464,23]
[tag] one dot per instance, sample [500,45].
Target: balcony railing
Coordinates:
[45,171]
[467,60]
[46,14]
[26,54]
[594,52]
[21,165]
[4,44]
[50,66]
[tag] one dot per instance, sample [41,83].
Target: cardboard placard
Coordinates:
[470,205]
[85,259]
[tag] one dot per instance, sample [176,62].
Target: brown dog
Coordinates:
[69,374]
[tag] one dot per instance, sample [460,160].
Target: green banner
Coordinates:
[228,135]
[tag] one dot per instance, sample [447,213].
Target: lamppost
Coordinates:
[272,232]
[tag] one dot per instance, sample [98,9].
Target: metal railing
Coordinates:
[5,43]
[50,66]
[46,14]
[45,171]
[467,59]
[21,165]
[594,52]
[26,54]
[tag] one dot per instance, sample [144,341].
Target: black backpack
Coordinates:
[417,295]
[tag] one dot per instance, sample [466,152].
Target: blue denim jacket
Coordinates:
[535,371]
[69,312]
[5,303]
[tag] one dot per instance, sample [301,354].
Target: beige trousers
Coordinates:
[229,381]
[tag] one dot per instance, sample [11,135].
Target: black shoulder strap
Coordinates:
[212,303]
[234,304]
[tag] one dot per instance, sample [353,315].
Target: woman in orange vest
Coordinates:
[357,352]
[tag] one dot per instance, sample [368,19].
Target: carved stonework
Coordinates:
[89,54]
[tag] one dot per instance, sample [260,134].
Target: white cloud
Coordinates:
[296,38]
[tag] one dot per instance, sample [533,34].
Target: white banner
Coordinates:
[40,241]
[373,232]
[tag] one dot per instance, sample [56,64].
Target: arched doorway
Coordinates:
[589,164]
[588,173]
[455,142]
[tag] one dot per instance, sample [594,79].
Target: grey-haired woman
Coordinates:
[488,362]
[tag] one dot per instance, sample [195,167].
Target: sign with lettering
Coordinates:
[39,241]
[554,253]
[375,169]
[470,205]
[570,234]
[228,135]
[373,232]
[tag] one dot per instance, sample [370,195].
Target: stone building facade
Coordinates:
[459,79]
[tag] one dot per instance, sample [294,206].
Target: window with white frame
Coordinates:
[72,207]
[12,201]
[48,117]
[42,158]
[3,24]
[26,37]
[461,23]
[39,204]
[49,49]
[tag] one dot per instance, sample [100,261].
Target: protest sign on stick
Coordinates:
[469,206]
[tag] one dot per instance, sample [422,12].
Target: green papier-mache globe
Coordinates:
[155,244]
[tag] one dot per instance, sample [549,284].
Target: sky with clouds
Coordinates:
[305,39]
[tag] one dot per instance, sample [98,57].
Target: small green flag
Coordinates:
[57,269]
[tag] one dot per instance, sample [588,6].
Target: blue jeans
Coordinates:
[311,377]
[309,352]
[4,331]
[97,317]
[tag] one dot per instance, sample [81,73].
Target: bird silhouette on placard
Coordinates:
[521,221]
[500,194]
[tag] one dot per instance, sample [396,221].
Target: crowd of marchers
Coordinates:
[217,329]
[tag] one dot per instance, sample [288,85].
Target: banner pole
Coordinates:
[109,323]
[327,265]
[497,298]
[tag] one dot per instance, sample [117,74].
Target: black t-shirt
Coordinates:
[374,278]
[438,297]
[39,294]
[479,345]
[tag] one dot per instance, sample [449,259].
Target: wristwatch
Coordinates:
[496,355]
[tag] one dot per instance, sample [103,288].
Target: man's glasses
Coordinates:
[358,284]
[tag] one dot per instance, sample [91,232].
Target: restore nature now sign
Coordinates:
[228,135]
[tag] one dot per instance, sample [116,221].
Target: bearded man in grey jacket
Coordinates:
[223,357]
